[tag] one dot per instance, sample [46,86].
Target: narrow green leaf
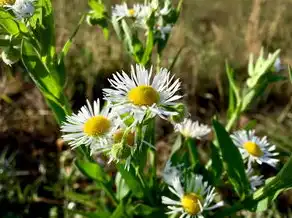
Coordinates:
[120,211]
[290,73]
[122,188]
[92,170]
[10,24]
[38,70]
[144,210]
[216,164]
[131,180]
[80,198]
[175,58]
[149,47]
[192,151]
[232,83]
[233,162]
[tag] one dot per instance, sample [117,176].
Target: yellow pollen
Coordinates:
[131,12]
[96,126]
[253,149]
[6,2]
[191,203]
[143,96]
[130,137]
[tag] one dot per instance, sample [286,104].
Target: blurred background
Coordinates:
[37,178]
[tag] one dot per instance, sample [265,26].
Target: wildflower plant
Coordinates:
[141,27]
[123,129]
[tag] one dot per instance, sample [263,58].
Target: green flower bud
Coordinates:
[181,110]
[120,151]
[10,56]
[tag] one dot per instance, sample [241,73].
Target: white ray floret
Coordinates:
[255,180]
[91,127]
[138,11]
[194,198]
[254,148]
[22,8]
[139,94]
[190,129]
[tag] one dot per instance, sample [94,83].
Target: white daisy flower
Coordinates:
[194,198]
[164,30]
[190,129]
[170,172]
[255,181]
[254,148]
[278,65]
[138,11]
[92,127]
[139,95]
[21,8]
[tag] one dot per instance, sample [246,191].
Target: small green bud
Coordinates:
[181,110]
[10,55]
[120,151]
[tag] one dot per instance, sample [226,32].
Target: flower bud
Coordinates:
[10,55]
[181,113]
[120,151]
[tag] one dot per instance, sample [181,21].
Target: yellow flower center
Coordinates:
[96,126]
[6,2]
[191,203]
[131,12]
[253,149]
[130,137]
[143,96]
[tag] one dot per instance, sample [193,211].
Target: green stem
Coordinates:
[110,194]
[193,153]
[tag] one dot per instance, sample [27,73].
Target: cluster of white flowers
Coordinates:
[141,13]
[137,97]
[21,8]
[132,101]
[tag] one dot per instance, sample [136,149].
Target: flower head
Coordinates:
[21,8]
[6,2]
[139,94]
[10,55]
[164,31]
[254,148]
[90,126]
[190,129]
[194,198]
[170,172]
[138,11]
[255,180]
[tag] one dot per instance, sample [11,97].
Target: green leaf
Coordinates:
[216,164]
[233,162]
[144,210]
[39,71]
[80,198]
[43,26]
[10,24]
[92,170]
[290,73]
[120,211]
[192,151]
[149,47]
[61,64]
[122,188]
[99,17]
[131,180]
[97,214]
[234,96]
[177,145]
